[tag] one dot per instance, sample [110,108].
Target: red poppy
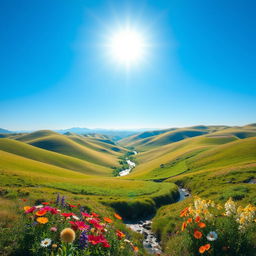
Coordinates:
[197,219]
[72,206]
[79,225]
[98,226]
[87,215]
[66,215]
[54,211]
[45,203]
[106,244]
[93,221]
[97,239]
[95,214]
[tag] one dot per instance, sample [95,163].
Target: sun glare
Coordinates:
[127,46]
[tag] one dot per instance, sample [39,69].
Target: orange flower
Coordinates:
[117,216]
[42,220]
[197,219]
[189,220]
[201,225]
[207,247]
[41,213]
[184,225]
[135,248]
[184,212]
[26,208]
[108,220]
[202,249]
[197,234]
[120,234]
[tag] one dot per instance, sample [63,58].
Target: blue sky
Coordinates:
[55,73]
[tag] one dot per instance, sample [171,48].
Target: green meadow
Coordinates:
[213,162]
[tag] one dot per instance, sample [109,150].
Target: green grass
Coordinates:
[49,157]
[214,163]
[63,145]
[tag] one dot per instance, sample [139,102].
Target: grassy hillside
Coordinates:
[49,157]
[175,158]
[98,144]
[17,171]
[149,140]
[62,144]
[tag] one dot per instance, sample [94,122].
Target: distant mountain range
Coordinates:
[4,131]
[114,134]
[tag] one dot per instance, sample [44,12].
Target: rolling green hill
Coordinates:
[176,157]
[62,144]
[149,140]
[49,157]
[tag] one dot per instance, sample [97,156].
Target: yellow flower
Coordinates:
[42,220]
[26,208]
[219,207]
[67,235]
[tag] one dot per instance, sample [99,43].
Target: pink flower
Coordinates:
[86,215]
[31,209]
[79,225]
[53,229]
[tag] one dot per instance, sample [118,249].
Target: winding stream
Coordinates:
[150,242]
[130,164]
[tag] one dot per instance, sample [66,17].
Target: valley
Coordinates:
[136,176]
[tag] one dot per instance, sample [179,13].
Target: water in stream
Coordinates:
[130,164]
[150,242]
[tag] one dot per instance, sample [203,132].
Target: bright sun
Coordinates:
[127,46]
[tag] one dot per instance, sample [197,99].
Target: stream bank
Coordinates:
[150,241]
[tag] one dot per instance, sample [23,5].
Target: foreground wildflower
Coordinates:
[42,220]
[41,212]
[201,225]
[135,248]
[207,247]
[79,225]
[46,242]
[53,229]
[201,249]
[83,240]
[98,240]
[184,225]
[120,234]
[108,220]
[67,235]
[184,212]
[197,234]
[212,236]
[190,220]
[26,208]
[117,216]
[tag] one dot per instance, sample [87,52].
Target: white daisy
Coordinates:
[75,217]
[212,236]
[46,242]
